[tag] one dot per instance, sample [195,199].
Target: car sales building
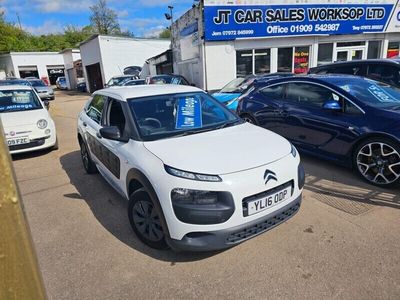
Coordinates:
[218,40]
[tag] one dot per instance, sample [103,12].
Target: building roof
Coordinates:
[73,50]
[139,91]
[94,36]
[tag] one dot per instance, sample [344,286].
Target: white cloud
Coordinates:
[153,32]
[123,13]
[72,6]
[153,3]
[47,27]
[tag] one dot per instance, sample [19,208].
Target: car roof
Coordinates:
[361,61]
[15,87]
[139,91]
[321,78]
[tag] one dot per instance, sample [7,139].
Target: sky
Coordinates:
[142,17]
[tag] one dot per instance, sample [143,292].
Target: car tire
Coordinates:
[88,164]
[145,219]
[377,161]
[249,119]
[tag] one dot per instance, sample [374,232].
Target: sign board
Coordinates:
[233,19]
[188,113]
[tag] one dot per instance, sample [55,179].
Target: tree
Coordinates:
[74,35]
[103,19]
[165,34]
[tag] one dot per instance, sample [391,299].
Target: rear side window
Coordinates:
[385,73]
[95,108]
[273,92]
[310,94]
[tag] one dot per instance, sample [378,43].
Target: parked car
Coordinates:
[173,150]
[61,83]
[132,70]
[81,87]
[167,79]
[230,93]
[353,121]
[15,81]
[27,124]
[134,82]
[385,70]
[119,80]
[45,92]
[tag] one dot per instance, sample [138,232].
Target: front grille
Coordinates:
[254,230]
[33,143]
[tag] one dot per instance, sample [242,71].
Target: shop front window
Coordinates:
[393,49]
[285,59]
[262,61]
[301,60]
[244,63]
[325,53]
[374,49]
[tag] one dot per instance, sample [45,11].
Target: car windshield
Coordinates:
[118,80]
[233,86]
[18,100]
[168,79]
[15,82]
[37,83]
[172,115]
[372,92]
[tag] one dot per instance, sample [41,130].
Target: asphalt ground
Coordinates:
[343,244]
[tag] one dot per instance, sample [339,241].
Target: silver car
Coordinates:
[45,92]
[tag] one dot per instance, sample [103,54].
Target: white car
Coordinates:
[26,122]
[196,176]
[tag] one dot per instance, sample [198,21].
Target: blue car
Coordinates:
[353,121]
[231,92]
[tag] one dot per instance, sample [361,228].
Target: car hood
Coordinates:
[21,118]
[222,151]
[224,97]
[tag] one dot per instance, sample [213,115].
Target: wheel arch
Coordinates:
[135,179]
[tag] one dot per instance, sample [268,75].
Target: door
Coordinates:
[350,53]
[95,77]
[270,114]
[310,126]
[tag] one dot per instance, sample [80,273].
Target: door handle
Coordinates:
[84,124]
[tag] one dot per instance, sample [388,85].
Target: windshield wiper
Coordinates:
[228,124]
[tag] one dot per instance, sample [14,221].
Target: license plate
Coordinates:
[273,199]
[18,141]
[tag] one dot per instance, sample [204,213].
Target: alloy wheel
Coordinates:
[147,221]
[248,119]
[379,163]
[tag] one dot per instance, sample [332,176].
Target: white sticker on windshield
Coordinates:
[381,94]
[21,98]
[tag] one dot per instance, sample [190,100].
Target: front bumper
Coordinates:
[225,238]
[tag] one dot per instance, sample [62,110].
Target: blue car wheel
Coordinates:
[377,160]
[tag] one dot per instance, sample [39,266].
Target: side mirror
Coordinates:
[46,104]
[332,105]
[112,133]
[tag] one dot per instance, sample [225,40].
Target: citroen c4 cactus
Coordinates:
[168,150]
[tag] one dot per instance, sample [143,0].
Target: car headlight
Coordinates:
[186,196]
[293,151]
[41,124]
[192,176]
